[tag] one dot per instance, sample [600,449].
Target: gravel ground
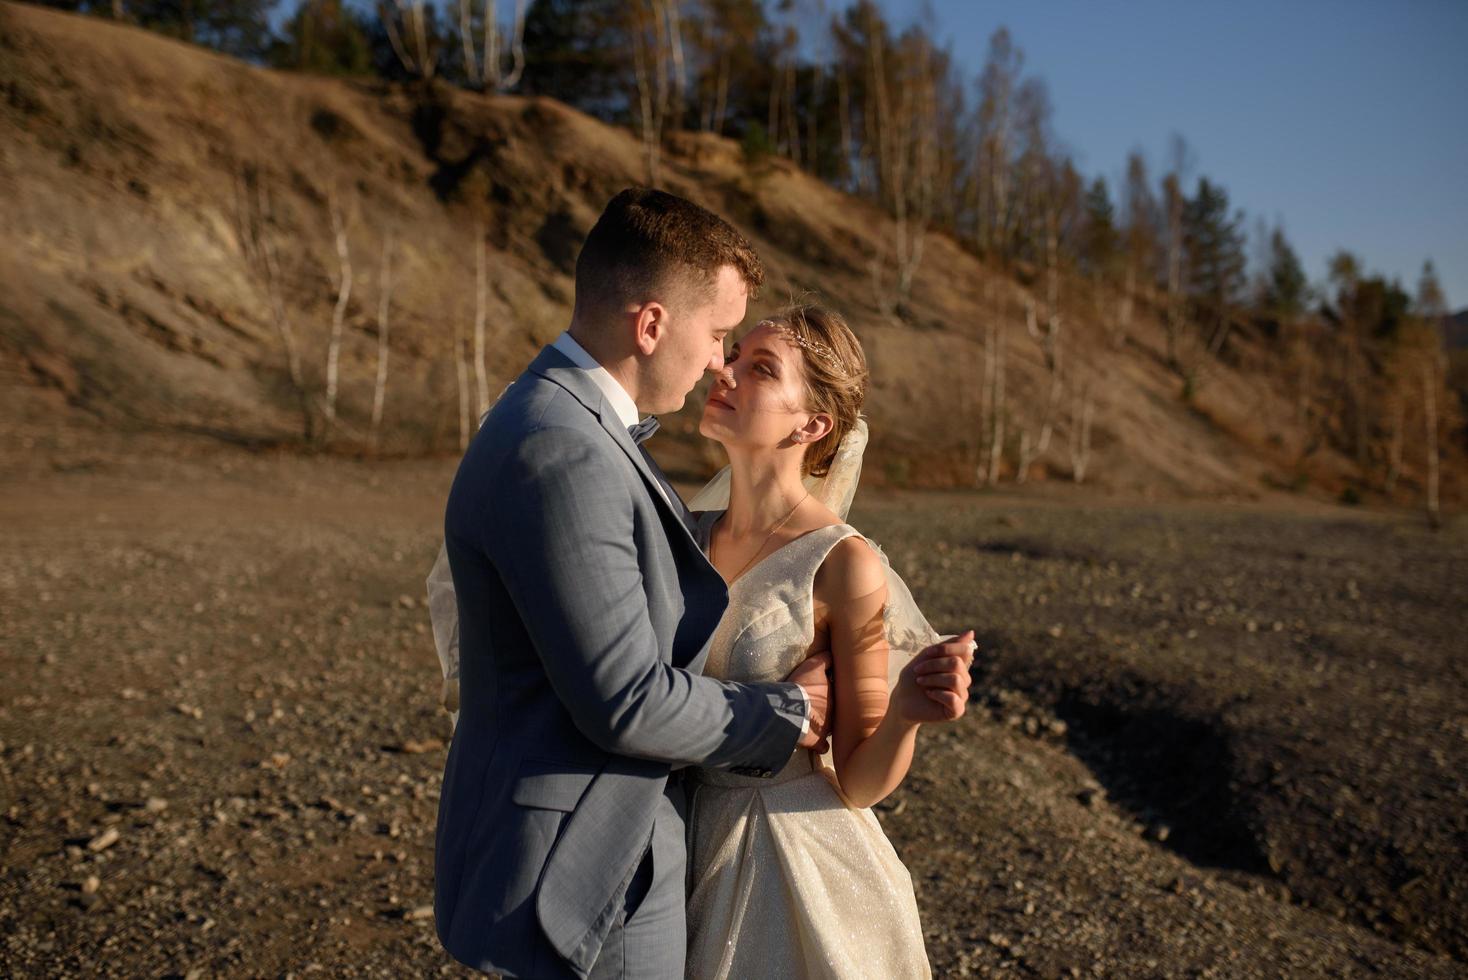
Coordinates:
[1272,701]
[1205,741]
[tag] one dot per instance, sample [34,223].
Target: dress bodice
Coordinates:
[769,625]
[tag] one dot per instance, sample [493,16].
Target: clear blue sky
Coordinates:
[1345,119]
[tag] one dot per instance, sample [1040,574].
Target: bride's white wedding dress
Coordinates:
[785,878]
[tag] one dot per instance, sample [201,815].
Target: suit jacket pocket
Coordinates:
[549,784]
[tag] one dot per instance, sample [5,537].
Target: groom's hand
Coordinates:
[813,676]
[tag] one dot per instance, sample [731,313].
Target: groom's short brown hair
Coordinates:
[651,244]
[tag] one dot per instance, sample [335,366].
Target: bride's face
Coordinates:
[758,400]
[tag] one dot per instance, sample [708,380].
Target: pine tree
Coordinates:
[577,52]
[1286,289]
[324,37]
[1099,236]
[1214,243]
[237,27]
[1431,303]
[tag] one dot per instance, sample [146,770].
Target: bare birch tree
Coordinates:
[1033,446]
[879,132]
[1174,202]
[1049,337]
[485,67]
[723,38]
[1431,382]
[1139,217]
[1395,438]
[995,405]
[998,85]
[781,120]
[406,25]
[676,59]
[813,120]
[384,304]
[461,377]
[1346,274]
[1311,379]
[1302,352]
[843,110]
[1431,309]
[711,85]
[657,65]
[1400,384]
[1078,434]
[915,184]
[792,117]
[481,297]
[1051,192]
[339,312]
[720,105]
[903,124]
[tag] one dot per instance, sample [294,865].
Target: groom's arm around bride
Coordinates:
[570,556]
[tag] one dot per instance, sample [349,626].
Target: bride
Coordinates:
[792,876]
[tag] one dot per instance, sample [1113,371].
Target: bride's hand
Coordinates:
[933,687]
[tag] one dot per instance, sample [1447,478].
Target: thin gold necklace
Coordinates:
[783,521]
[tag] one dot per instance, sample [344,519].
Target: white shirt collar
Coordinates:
[616,395]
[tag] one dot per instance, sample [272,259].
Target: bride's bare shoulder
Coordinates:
[850,571]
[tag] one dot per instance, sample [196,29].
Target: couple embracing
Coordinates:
[673,723]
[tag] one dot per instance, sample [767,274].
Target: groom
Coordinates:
[585,612]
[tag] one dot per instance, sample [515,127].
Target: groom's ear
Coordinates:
[650,324]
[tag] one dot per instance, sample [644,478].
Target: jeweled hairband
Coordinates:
[814,346]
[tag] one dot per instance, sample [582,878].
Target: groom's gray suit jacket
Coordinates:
[585,612]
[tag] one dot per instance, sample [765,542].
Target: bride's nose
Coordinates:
[725,376]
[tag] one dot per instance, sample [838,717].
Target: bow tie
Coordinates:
[643,430]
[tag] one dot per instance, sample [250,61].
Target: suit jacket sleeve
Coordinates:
[562,539]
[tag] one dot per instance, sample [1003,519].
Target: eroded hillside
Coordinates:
[135,167]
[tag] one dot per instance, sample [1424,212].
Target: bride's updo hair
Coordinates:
[836,374]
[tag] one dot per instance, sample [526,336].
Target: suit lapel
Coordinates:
[556,367]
